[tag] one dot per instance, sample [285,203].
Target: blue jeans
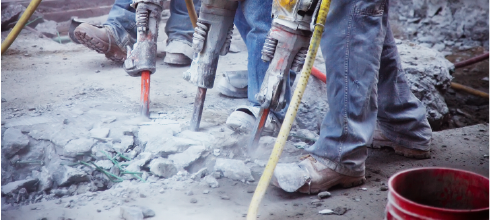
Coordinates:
[121,22]
[365,83]
[253,21]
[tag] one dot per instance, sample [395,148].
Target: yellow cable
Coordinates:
[20,24]
[290,114]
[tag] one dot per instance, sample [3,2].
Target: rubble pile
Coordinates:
[441,24]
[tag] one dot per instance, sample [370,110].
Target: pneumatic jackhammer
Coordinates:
[212,38]
[141,60]
[285,47]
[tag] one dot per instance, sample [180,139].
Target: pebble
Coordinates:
[216,152]
[189,193]
[224,197]
[324,194]
[364,189]
[97,71]
[193,200]
[383,188]
[205,192]
[142,195]
[98,210]
[326,212]
[250,190]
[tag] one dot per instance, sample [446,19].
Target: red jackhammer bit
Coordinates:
[285,47]
[212,37]
[141,60]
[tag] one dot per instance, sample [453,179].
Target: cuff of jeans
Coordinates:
[340,168]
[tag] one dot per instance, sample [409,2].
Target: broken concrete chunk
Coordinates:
[98,148]
[147,213]
[30,185]
[233,169]
[45,178]
[210,181]
[78,147]
[126,142]
[162,167]
[65,175]
[13,141]
[170,145]
[326,212]
[99,132]
[306,134]
[186,158]
[131,213]
[204,138]
[105,164]
[199,174]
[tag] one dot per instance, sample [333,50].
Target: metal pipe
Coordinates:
[20,24]
[470,61]
[290,114]
[469,90]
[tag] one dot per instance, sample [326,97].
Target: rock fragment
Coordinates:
[131,213]
[323,195]
[29,184]
[211,182]
[186,158]
[65,175]
[13,141]
[233,169]
[99,133]
[78,147]
[162,167]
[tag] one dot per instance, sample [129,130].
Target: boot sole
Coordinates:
[354,181]
[97,44]
[403,151]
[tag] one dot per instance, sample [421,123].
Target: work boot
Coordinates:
[234,84]
[243,119]
[379,141]
[310,176]
[100,39]
[178,53]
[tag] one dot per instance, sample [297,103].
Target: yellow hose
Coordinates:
[192,12]
[290,114]
[20,24]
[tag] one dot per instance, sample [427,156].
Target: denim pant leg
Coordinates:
[253,21]
[401,116]
[179,26]
[121,23]
[351,44]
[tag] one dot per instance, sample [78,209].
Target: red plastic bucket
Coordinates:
[437,193]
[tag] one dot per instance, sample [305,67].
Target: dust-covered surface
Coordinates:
[63,104]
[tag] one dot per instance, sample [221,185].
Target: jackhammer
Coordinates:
[285,47]
[212,37]
[141,60]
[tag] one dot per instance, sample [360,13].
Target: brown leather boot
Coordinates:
[101,40]
[310,176]
[379,140]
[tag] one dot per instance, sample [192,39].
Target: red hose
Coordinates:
[318,74]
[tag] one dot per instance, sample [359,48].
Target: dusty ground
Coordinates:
[46,82]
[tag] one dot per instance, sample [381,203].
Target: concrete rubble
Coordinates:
[87,152]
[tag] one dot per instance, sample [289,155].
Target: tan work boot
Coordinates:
[310,176]
[101,40]
[379,140]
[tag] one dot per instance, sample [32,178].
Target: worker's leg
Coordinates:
[253,21]
[179,30]
[112,38]
[121,23]
[401,116]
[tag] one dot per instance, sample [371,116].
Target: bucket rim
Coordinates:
[391,190]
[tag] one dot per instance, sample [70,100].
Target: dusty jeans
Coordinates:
[365,83]
[121,22]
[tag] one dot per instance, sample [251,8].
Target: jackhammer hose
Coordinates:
[290,114]
[20,24]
